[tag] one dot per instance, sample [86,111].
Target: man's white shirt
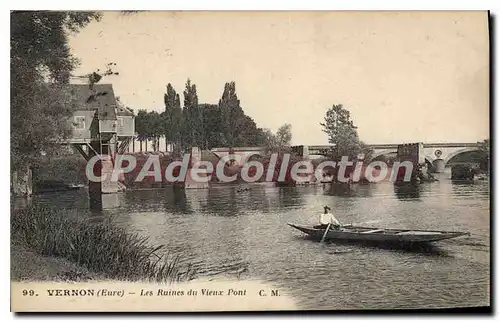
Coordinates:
[325,219]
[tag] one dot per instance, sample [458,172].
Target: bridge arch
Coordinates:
[380,153]
[375,155]
[429,161]
[438,165]
[458,152]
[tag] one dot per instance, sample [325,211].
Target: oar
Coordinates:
[326,231]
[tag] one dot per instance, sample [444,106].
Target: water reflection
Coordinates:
[291,197]
[467,189]
[420,249]
[171,199]
[217,205]
[75,199]
[362,190]
[357,190]
[20,203]
[338,189]
[407,191]
[244,233]
[113,200]
[175,200]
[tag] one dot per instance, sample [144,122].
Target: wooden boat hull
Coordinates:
[378,235]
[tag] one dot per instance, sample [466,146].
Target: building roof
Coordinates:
[101,98]
[124,111]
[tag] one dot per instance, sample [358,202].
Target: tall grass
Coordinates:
[101,247]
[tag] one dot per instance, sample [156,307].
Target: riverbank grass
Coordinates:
[99,247]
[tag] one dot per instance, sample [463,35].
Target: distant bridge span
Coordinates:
[437,154]
[393,146]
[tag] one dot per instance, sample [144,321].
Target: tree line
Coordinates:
[206,126]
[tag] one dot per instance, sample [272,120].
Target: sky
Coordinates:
[404,76]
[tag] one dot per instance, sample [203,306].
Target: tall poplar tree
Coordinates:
[193,118]
[172,118]
[231,113]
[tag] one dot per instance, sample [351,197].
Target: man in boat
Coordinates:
[327,218]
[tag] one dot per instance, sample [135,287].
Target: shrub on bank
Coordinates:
[101,247]
[65,168]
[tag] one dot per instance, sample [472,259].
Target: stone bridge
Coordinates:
[436,154]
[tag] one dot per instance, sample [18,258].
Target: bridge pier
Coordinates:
[302,151]
[438,166]
[95,188]
[22,182]
[102,167]
[305,152]
[189,182]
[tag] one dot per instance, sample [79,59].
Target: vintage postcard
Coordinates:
[168,161]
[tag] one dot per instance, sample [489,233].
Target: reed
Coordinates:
[101,247]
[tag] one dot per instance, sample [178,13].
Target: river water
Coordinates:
[221,231]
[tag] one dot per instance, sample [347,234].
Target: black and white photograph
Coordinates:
[195,161]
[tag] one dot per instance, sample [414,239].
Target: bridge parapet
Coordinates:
[431,151]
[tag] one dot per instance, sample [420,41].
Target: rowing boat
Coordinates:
[370,234]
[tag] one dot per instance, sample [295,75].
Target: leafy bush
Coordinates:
[65,168]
